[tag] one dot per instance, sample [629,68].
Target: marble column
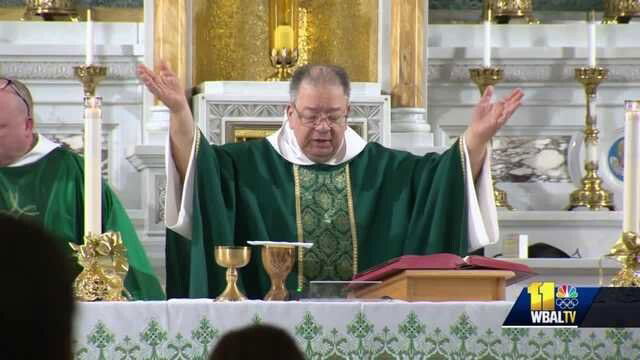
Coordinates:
[409,127]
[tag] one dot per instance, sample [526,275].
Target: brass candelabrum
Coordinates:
[592,194]
[626,250]
[502,11]
[484,77]
[620,11]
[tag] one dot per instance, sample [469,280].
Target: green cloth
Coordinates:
[403,204]
[50,191]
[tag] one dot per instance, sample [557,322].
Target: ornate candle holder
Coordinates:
[484,77]
[504,10]
[283,60]
[105,266]
[232,258]
[592,194]
[90,76]
[278,262]
[283,38]
[620,11]
[626,251]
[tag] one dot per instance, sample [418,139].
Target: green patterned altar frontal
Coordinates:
[325,222]
[538,5]
[334,331]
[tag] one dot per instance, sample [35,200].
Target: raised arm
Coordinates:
[486,120]
[165,85]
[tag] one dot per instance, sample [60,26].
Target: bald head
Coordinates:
[16,123]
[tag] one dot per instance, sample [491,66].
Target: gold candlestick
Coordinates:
[232,258]
[620,11]
[484,77]
[592,194]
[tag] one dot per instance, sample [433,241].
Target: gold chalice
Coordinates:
[278,261]
[232,258]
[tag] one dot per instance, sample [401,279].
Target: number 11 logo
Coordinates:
[542,296]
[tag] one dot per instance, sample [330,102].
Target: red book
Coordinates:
[444,261]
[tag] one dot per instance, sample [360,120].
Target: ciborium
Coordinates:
[232,258]
[620,11]
[484,77]
[278,262]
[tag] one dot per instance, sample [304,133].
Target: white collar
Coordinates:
[43,147]
[285,143]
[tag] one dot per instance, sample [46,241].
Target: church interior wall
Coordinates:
[535,156]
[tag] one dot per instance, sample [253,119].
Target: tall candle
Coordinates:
[631,166]
[592,39]
[88,60]
[486,53]
[92,167]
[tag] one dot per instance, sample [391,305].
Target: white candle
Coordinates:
[92,168]
[631,166]
[486,53]
[592,39]
[88,60]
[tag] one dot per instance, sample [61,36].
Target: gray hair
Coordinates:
[316,75]
[23,93]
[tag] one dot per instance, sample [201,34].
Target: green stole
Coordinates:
[400,204]
[324,217]
[49,191]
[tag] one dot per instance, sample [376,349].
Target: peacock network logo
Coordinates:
[544,304]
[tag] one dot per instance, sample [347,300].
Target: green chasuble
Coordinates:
[381,204]
[50,191]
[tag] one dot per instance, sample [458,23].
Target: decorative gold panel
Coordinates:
[232,41]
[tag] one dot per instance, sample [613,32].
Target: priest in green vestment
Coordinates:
[316,180]
[42,180]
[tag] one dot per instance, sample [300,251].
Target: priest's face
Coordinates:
[16,127]
[318,119]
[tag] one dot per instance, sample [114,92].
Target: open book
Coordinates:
[444,261]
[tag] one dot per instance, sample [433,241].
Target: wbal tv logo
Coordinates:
[551,306]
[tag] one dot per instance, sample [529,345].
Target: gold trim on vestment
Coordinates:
[352,221]
[461,146]
[300,230]
[296,180]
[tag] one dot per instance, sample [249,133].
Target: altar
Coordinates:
[189,329]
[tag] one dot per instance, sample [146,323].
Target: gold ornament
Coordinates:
[626,251]
[51,10]
[620,11]
[105,266]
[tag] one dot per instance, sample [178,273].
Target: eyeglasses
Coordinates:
[4,83]
[314,119]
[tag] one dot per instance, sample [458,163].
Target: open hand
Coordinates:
[165,85]
[488,117]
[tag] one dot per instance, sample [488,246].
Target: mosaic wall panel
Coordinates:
[525,159]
